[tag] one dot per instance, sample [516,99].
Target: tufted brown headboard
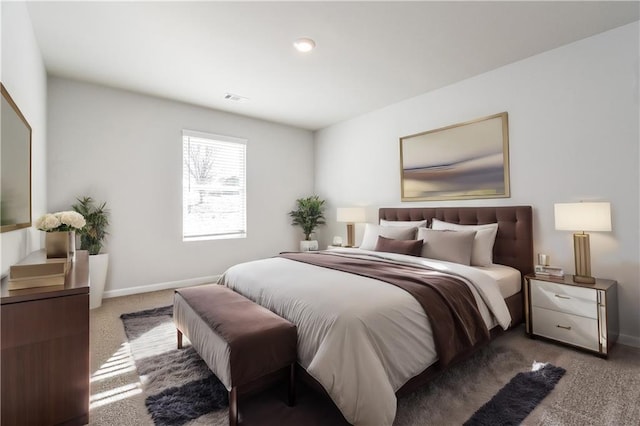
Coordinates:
[514,241]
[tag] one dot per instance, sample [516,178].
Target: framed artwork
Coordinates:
[463,161]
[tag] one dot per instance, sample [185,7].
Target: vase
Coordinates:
[61,245]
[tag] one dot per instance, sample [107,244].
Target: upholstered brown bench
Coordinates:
[239,340]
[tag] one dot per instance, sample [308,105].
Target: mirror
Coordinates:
[15,171]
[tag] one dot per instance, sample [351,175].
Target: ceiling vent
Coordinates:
[235,98]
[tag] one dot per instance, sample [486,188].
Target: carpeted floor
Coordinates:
[592,392]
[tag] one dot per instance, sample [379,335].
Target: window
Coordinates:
[213,186]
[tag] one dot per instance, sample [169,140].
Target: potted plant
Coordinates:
[308,215]
[92,238]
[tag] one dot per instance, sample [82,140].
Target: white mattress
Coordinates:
[509,279]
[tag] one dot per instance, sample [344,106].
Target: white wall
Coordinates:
[573,128]
[24,76]
[126,149]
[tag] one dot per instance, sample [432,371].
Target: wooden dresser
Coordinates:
[44,372]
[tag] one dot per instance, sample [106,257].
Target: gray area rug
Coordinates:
[513,403]
[179,386]
[593,392]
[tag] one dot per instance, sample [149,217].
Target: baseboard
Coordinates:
[160,286]
[627,340]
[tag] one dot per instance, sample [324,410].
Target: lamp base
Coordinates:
[350,235]
[583,280]
[582,254]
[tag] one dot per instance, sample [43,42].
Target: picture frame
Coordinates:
[467,160]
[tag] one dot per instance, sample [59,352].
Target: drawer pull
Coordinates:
[563,326]
[562,297]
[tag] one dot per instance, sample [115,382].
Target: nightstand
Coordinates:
[580,315]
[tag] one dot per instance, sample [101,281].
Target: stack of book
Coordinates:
[548,271]
[37,271]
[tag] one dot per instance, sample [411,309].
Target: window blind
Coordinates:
[213,186]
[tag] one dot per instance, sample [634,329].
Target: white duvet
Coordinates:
[360,338]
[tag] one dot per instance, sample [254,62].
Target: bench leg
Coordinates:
[233,406]
[292,385]
[179,339]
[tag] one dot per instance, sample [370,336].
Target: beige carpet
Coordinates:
[592,392]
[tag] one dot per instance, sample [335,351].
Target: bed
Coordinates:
[365,341]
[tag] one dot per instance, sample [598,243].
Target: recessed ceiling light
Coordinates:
[235,98]
[304,44]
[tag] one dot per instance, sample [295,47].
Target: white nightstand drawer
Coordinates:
[564,298]
[566,328]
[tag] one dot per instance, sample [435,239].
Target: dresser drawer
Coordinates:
[564,298]
[572,329]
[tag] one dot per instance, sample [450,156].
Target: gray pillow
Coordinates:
[482,250]
[371,233]
[450,246]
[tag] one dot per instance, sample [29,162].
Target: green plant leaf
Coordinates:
[308,214]
[93,234]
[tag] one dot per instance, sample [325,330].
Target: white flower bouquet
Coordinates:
[60,222]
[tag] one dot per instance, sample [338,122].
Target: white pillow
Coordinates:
[482,251]
[416,223]
[452,246]
[371,233]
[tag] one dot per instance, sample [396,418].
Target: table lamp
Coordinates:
[582,217]
[351,215]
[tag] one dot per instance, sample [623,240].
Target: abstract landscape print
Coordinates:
[463,161]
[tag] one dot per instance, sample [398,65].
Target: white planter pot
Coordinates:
[311,245]
[98,264]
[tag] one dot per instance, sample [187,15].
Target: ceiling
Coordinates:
[368,54]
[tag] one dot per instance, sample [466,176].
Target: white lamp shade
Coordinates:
[351,214]
[583,216]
